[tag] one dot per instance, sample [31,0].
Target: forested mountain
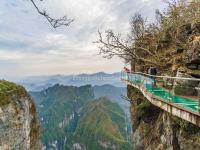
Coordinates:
[102,126]
[114,93]
[59,108]
[68,114]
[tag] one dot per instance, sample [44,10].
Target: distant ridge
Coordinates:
[39,83]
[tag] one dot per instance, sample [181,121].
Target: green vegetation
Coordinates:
[15,94]
[59,111]
[71,113]
[102,122]
[143,106]
[9,89]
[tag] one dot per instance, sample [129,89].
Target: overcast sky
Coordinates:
[29,46]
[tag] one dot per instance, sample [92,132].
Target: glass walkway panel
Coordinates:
[161,92]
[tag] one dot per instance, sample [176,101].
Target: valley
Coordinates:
[69,114]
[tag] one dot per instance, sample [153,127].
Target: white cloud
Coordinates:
[4,55]
[28,41]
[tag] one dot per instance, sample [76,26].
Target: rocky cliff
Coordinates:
[155,129]
[152,127]
[18,122]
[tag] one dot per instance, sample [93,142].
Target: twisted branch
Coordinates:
[55,23]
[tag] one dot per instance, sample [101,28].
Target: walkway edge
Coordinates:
[171,108]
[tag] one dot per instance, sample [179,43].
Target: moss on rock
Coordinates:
[8,90]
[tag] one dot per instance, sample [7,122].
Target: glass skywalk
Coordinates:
[160,92]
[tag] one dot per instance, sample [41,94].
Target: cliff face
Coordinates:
[18,123]
[156,129]
[152,127]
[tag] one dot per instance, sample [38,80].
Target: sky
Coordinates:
[29,46]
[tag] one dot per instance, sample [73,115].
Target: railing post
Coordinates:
[198,100]
[151,83]
[146,81]
[198,91]
[135,77]
[131,77]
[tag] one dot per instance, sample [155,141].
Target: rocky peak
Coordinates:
[18,123]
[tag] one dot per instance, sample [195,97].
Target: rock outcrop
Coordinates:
[19,129]
[155,129]
[185,87]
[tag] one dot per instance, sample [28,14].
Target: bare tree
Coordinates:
[142,45]
[138,25]
[155,43]
[55,23]
[149,43]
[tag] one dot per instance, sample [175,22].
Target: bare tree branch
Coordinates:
[112,45]
[126,98]
[153,43]
[55,23]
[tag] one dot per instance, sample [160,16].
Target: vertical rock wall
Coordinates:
[18,123]
[154,129]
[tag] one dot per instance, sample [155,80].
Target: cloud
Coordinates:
[28,42]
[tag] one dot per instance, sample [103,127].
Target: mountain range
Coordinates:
[39,83]
[68,114]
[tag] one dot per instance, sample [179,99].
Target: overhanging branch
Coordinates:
[55,23]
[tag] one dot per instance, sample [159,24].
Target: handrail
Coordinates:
[183,107]
[168,77]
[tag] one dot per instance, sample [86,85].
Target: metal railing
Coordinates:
[182,91]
